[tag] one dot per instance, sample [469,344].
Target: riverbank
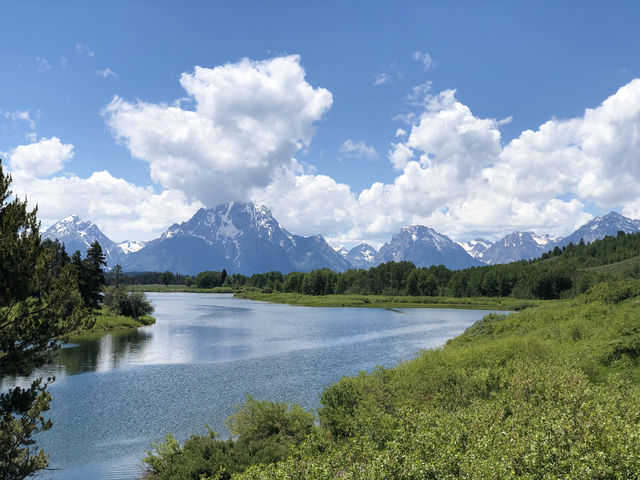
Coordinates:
[365,301]
[553,392]
[106,321]
[387,301]
[159,288]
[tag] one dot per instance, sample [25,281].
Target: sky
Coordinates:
[346,119]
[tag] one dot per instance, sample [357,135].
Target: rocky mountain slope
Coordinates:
[425,247]
[239,237]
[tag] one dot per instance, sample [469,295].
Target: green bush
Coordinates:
[131,304]
[263,432]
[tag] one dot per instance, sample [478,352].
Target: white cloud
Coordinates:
[381,79]
[21,115]
[236,137]
[358,150]
[309,204]
[420,94]
[121,209]
[249,120]
[457,177]
[43,64]
[106,72]
[425,59]
[84,50]
[24,116]
[43,158]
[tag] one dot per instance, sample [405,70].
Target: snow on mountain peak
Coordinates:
[130,246]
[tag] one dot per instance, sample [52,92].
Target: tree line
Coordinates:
[562,272]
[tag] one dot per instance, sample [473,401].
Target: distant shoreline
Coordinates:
[360,301]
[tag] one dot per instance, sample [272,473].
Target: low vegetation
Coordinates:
[104,321]
[387,301]
[552,391]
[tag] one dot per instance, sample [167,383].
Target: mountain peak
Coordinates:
[78,234]
[425,247]
[241,237]
[600,227]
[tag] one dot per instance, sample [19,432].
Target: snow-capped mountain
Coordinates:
[518,246]
[362,256]
[239,237]
[425,247]
[476,247]
[130,246]
[78,234]
[342,252]
[600,227]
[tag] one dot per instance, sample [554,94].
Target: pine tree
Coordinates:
[39,305]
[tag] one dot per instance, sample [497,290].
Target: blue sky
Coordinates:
[383,66]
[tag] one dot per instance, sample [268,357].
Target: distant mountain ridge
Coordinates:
[476,247]
[518,246]
[239,237]
[425,247]
[362,256]
[246,238]
[609,224]
[78,234]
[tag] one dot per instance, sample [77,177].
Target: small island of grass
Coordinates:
[106,321]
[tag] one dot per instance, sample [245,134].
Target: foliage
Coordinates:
[550,392]
[90,275]
[39,305]
[263,431]
[128,303]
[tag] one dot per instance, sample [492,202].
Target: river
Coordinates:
[116,393]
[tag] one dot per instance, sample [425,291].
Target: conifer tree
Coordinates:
[39,305]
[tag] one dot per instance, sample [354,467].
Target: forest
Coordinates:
[561,273]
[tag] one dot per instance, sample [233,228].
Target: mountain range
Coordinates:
[245,238]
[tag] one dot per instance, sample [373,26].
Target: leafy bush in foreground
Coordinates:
[263,432]
[548,392]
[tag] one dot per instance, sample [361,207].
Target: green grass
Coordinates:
[549,392]
[388,301]
[106,321]
[552,391]
[179,288]
[624,269]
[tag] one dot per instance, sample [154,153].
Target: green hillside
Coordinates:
[552,391]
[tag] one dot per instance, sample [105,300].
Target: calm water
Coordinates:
[115,394]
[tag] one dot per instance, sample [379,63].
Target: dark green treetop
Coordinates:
[39,305]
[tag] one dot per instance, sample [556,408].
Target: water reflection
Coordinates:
[103,353]
[118,392]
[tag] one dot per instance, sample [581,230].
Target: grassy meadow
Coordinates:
[551,391]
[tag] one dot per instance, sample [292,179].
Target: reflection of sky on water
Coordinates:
[221,328]
[117,393]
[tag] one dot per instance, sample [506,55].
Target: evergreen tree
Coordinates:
[39,305]
[90,274]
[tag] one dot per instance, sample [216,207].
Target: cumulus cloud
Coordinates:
[249,120]
[309,204]
[121,209]
[42,158]
[455,175]
[106,72]
[237,134]
[358,150]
